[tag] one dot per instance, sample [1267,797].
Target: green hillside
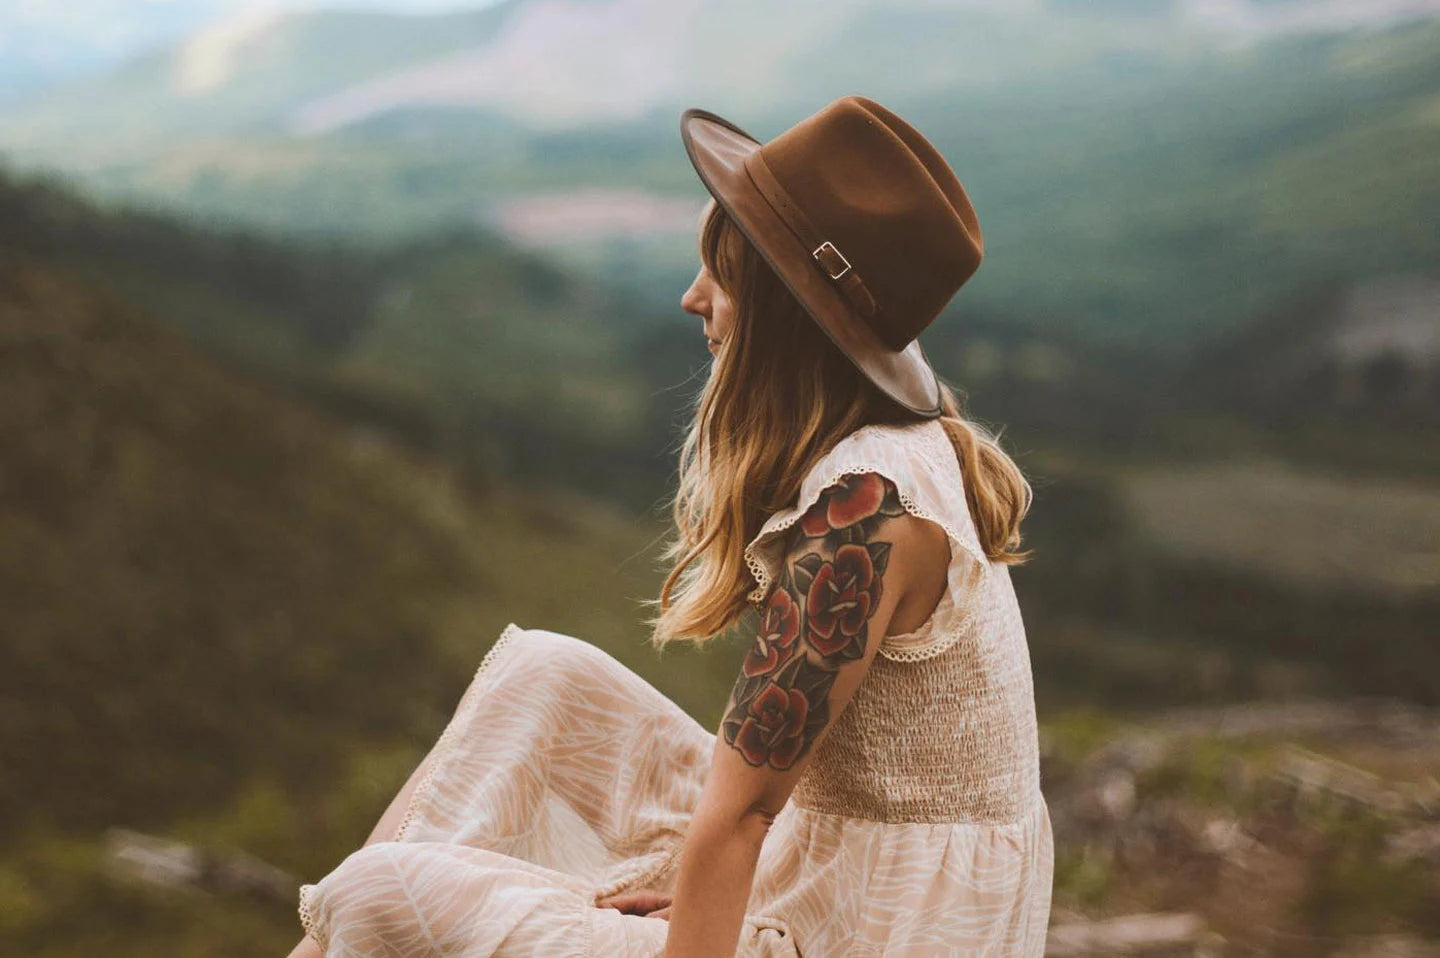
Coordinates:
[506,364]
[235,618]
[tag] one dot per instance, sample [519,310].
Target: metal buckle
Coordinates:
[816,254]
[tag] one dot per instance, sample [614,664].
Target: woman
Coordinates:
[873,788]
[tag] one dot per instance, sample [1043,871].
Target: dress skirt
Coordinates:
[562,778]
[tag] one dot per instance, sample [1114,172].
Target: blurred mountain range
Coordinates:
[562,64]
[1143,170]
[265,503]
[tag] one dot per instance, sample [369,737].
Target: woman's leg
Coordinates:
[412,899]
[383,831]
[560,756]
[557,739]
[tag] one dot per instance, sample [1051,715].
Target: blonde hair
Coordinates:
[780,396]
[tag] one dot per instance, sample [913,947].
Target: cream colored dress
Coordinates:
[918,828]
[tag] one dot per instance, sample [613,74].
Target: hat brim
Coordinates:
[717,149]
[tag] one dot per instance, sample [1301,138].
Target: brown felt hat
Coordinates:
[863,220]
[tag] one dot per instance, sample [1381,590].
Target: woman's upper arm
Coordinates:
[847,563]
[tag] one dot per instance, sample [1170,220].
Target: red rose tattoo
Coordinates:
[851,501]
[773,727]
[773,718]
[839,599]
[779,630]
[814,621]
[859,497]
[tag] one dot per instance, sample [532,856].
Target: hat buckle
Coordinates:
[836,254]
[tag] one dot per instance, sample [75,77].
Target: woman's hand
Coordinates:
[645,902]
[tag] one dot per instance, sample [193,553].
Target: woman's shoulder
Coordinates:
[897,451]
[917,460]
[893,435]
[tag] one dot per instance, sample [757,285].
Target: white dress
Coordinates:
[918,828]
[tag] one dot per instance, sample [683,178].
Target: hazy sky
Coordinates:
[62,36]
[46,40]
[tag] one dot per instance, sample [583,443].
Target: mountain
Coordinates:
[1143,172]
[235,73]
[565,63]
[181,545]
[1371,350]
[458,342]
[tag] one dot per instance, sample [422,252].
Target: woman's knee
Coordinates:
[554,656]
[379,890]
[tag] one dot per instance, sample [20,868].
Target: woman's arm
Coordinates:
[833,601]
[717,867]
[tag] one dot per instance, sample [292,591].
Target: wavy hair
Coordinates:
[780,395]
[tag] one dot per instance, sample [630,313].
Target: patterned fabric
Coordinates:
[918,827]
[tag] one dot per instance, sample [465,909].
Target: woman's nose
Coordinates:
[694,300]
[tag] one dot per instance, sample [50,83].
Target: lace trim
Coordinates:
[643,875]
[919,644]
[446,741]
[308,921]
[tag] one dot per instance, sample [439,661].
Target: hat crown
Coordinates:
[890,205]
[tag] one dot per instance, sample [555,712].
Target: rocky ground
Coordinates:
[1291,829]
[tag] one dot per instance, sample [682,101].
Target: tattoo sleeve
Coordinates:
[815,620]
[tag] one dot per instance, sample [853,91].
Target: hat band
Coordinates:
[834,264]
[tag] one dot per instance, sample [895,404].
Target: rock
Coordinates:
[1180,933]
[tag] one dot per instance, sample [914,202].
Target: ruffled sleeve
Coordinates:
[920,460]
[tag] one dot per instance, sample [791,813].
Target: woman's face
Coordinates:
[707,300]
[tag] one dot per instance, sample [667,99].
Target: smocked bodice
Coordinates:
[946,738]
[942,729]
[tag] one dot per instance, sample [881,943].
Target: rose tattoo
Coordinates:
[813,622]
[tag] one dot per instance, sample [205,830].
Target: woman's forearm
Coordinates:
[717,867]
